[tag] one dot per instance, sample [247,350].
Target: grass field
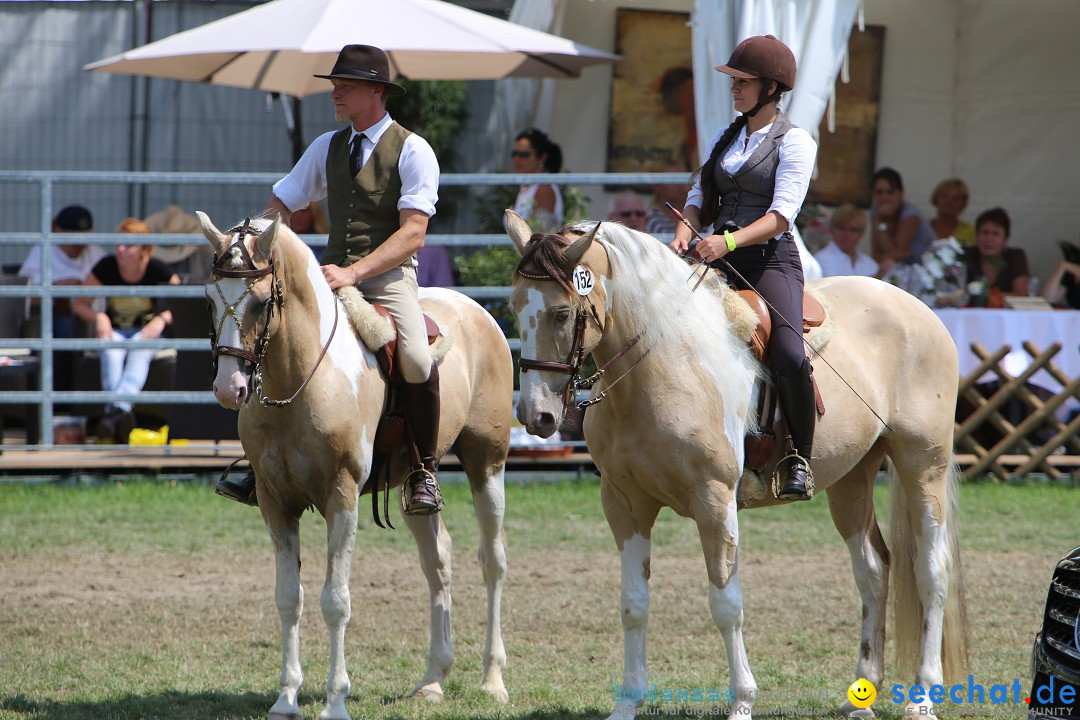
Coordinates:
[149,600]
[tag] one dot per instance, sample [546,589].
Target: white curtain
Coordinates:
[815,30]
[525,102]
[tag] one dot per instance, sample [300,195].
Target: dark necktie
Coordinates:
[357,154]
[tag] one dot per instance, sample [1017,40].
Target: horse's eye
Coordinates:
[562,315]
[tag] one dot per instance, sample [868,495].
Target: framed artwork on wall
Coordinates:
[846,158]
[652,127]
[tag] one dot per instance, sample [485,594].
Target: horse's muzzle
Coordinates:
[232,391]
[541,424]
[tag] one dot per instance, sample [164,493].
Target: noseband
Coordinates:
[253,359]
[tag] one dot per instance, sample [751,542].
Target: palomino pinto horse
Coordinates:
[679,400]
[276,321]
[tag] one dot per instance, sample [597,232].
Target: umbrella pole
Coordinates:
[290,107]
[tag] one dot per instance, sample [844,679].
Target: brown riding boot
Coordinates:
[420,401]
[797,400]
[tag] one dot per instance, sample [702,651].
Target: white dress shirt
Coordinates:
[835,261]
[796,164]
[417,165]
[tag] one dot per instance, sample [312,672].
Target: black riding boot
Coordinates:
[242,490]
[420,401]
[797,400]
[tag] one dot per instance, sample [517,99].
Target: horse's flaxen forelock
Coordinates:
[235,259]
[546,255]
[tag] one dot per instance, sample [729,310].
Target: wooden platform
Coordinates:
[205,458]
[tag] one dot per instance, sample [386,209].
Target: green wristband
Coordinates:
[730,240]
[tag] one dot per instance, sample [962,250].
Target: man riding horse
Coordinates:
[381,183]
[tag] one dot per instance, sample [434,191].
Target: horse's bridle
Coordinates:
[253,358]
[576,357]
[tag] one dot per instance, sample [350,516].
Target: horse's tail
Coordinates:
[907,606]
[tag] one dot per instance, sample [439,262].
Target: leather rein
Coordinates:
[253,359]
[576,358]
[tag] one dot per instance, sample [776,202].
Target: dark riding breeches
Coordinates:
[775,271]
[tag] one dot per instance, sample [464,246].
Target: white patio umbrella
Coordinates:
[277,47]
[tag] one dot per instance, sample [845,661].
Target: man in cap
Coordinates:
[381,185]
[71,263]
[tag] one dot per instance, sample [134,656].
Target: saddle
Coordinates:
[387,354]
[813,316]
[393,431]
[759,446]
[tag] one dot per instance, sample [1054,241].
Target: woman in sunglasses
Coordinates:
[540,204]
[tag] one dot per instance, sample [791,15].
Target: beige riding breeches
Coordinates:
[396,290]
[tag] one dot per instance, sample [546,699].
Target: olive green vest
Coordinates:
[363,210]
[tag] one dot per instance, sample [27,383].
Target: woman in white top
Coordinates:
[541,205]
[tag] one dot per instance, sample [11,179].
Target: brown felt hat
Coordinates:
[762,56]
[364,62]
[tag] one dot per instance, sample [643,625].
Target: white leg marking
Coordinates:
[336,609]
[871,577]
[726,604]
[289,597]
[489,504]
[434,546]
[634,559]
[931,573]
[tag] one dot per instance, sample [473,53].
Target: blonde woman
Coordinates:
[126,318]
[950,198]
[842,255]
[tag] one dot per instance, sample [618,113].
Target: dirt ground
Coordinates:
[205,621]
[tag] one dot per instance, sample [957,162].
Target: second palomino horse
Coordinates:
[281,335]
[679,381]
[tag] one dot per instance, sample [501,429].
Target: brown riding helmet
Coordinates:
[764,57]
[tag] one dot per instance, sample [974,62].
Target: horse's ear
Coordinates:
[265,241]
[574,253]
[215,236]
[518,230]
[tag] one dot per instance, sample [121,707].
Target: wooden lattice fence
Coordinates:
[1010,427]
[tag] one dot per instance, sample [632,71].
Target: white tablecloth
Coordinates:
[995,328]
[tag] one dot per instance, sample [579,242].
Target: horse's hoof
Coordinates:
[850,711]
[336,711]
[623,711]
[924,711]
[432,692]
[287,715]
[496,690]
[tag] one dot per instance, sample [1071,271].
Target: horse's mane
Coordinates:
[651,295]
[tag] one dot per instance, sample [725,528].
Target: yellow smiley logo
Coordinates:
[862,693]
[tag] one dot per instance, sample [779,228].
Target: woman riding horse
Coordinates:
[750,190]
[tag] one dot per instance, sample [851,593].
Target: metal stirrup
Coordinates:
[777,483]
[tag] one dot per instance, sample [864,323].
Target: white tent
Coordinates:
[980,89]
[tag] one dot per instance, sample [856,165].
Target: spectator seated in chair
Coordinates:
[126,318]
